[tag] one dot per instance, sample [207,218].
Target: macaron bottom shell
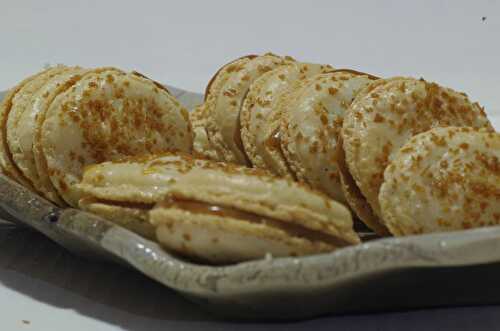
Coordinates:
[131,217]
[224,239]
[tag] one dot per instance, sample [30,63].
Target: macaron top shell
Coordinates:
[105,116]
[443,180]
[310,129]
[384,117]
[143,179]
[224,105]
[261,101]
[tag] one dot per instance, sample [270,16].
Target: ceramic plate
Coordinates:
[456,268]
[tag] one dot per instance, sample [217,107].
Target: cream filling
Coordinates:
[196,207]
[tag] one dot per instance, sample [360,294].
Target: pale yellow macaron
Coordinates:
[260,102]
[106,115]
[443,180]
[385,115]
[22,123]
[15,99]
[224,101]
[216,212]
[311,126]
[224,213]
[124,191]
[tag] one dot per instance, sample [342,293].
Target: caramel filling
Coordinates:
[222,211]
[196,207]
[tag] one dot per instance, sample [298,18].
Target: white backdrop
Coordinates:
[184,42]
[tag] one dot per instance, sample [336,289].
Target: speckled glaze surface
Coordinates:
[383,274]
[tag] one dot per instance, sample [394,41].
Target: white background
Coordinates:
[183,43]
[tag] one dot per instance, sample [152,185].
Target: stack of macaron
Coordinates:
[59,121]
[342,132]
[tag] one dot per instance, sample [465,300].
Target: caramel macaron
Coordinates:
[224,101]
[384,116]
[222,213]
[311,126]
[444,179]
[22,123]
[124,191]
[15,99]
[260,102]
[106,115]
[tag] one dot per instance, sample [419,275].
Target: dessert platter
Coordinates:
[287,190]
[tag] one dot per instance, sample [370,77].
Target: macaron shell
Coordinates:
[21,131]
[41,105]
[214,88]
[309,132]
[202,146]
[145,179]
[46,187]
[221,74]
[270,148]
[224,121]
[14,96]
[220,240]
[385,118]
[133,219]
[354,197]
[443,180]
[106,116]
[260,102]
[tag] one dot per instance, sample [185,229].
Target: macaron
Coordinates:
[16,97]
[444,179]
[202,147]
[223,213]
[22,122]
[224,101]
[261,101]
[124,191]
[311,126]
[106,115]
[213,211]
[385,115]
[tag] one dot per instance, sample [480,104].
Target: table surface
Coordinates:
[42,287]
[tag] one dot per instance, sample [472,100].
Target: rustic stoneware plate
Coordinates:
[460,268]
